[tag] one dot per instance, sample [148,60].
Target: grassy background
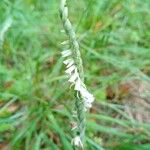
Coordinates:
[35,105]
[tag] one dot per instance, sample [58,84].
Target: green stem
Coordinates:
[78,62]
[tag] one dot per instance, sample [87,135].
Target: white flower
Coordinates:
[70,70]
[78,85]
[74,78]
[71,62]
[66,62]
[66,53]
[77,141]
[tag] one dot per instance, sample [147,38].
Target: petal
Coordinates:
[78,85]
[77,141]
[70,69]
[73,77]
[84,92]
[70,63]
[87,105]
[66,62]
[66,53]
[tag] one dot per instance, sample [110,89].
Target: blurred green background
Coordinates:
[35,100]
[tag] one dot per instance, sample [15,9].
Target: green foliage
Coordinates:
[35,105]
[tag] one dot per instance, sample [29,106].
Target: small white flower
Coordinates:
[88,104]
[65,12]
[78,85]
[66,53]
[70,63]
[70,70]
[77,141]
[66,62]
[73,77]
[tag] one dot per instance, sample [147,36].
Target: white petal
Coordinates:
[66,62]
[78,85]
[88,105]
[89,98]
[65,13]
[77,141]
[66,53]
[84,92]
[70,63]
[73,77]
[70,69]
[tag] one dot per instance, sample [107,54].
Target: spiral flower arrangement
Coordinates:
[74,70]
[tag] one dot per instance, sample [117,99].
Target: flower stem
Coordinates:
[79,104]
